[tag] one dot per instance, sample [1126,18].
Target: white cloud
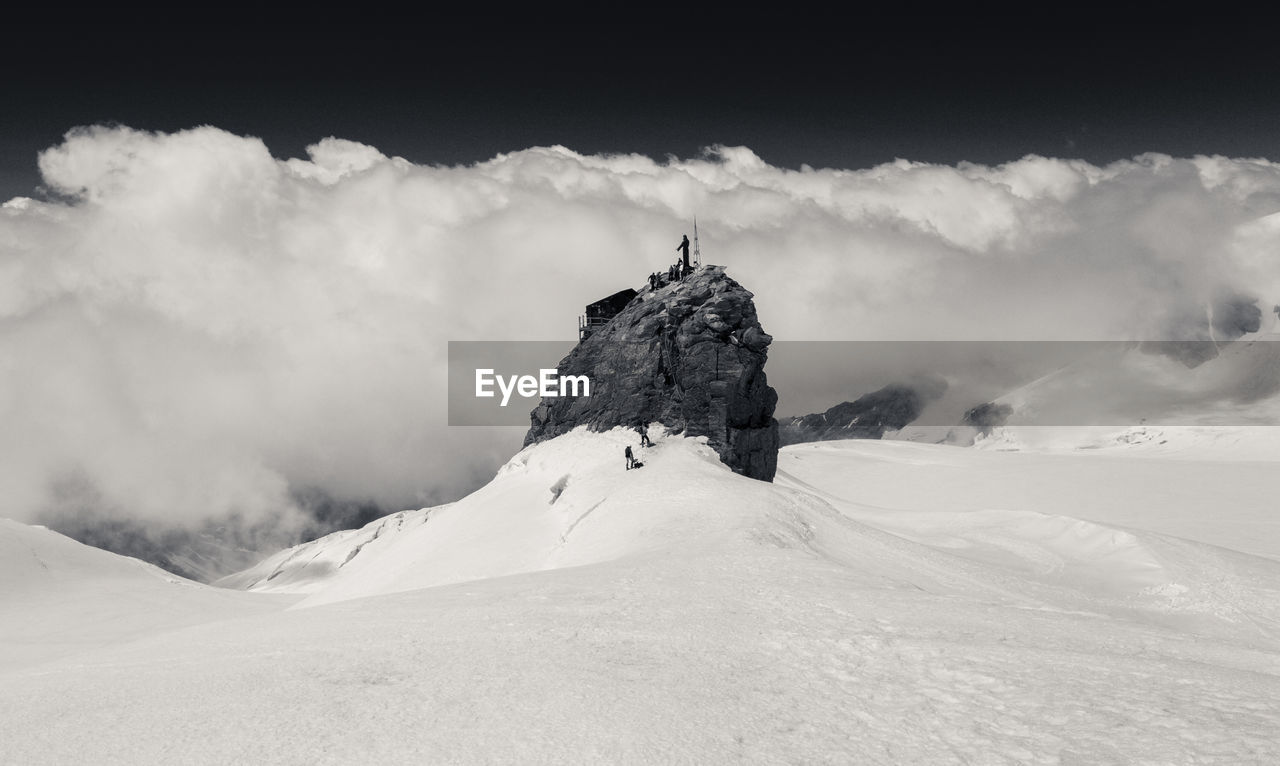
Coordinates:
[204,327]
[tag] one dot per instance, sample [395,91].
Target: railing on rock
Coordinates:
[588,325]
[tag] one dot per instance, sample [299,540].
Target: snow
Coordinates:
[1213,485]
[58,597]
[882,602]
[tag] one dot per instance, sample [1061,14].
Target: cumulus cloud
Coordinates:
[196,329]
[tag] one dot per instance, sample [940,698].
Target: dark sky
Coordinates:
[797,89]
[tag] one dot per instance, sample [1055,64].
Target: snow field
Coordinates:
[881,603]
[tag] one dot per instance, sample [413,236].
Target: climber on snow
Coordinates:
[631,459]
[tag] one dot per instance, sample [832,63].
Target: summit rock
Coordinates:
[689,355]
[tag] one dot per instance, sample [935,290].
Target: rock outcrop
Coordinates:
[689,355]
[987,416]
[1203,337]
[867,417]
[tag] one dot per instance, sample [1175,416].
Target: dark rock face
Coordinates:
[690,356]
[1234,315]
[986,416]
[868,417]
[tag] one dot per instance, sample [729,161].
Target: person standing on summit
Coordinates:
[684,246]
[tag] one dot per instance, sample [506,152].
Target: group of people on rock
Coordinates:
[676,271]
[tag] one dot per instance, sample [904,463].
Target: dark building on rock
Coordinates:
[598,314]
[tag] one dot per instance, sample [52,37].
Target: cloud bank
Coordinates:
[192,329]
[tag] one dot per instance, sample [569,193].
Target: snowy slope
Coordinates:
[307,567]
[881,603]
[565,503]
[1212,485]
[59,597]
[683,502]
[1094,528]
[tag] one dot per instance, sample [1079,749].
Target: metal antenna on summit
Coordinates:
[697,251]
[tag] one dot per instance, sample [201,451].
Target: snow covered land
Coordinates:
[1056,596]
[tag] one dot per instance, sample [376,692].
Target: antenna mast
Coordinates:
[697,251]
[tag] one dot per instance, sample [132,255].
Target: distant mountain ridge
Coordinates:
[867,417]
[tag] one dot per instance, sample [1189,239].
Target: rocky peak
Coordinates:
[689,355]
[869,416]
